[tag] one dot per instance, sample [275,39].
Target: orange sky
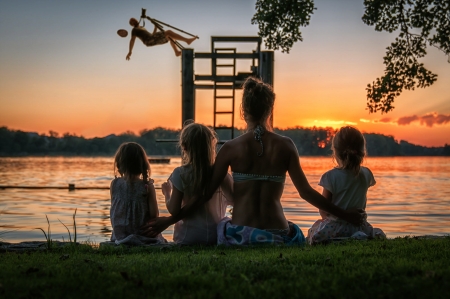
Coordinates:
[73,76]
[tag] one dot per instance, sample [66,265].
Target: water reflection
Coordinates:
[411,197]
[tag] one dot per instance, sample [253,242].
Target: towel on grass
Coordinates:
[229,234]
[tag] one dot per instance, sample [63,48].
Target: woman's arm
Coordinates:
[327,194]
[152,204]
[312,196]
[133,38]
[227,188]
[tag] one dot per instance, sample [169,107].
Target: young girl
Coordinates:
[345,186]
[133,198]
[189,182]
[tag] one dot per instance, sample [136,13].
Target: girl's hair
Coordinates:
[349,148]
[198,149]
[257,102]
[131,160]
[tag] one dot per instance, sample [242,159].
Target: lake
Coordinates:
[411,197]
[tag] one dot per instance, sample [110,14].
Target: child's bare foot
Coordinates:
[177,53]
[192,39]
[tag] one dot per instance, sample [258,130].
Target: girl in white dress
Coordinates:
[189,183]
[133,198]
[345,186]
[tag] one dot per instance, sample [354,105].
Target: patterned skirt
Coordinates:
[327,230]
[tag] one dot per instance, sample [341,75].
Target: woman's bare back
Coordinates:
[257,202]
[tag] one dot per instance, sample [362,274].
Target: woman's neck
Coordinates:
[251,126]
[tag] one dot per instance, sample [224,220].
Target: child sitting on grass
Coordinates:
[345,186]
[133,197]
[189,182]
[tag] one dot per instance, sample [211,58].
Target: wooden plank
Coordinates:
[211,86]
[203,55]
[241,39]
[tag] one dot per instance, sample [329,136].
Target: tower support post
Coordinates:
[187,86]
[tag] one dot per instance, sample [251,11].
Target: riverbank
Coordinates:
[393,268]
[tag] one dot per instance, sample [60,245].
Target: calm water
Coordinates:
[411,197]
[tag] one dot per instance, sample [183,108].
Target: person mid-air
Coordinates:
[155,38]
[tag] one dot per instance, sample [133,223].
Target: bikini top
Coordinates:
[242,177]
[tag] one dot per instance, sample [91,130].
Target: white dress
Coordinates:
[201,226]
[348,192]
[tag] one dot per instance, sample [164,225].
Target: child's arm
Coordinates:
[327,194]
[152,204]
[173,197]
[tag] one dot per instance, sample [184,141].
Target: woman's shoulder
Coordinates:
[275,137]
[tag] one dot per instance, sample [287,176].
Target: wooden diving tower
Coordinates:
[261,65]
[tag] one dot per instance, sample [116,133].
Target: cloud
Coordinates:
[406,120]
[429,119]
[385,120]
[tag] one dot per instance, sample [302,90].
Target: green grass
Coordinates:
[399,268]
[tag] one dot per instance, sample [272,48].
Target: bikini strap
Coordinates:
[258,132]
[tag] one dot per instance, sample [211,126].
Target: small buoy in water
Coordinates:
[122,32]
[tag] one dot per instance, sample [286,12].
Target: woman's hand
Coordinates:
[156,226]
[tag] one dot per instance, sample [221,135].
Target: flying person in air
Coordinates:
[155,38]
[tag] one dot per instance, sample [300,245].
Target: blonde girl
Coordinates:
[133,198]
[345,186]
[190,182]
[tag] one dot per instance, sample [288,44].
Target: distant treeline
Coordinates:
[309,142]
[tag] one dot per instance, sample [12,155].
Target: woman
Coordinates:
[259,160]
[155,38]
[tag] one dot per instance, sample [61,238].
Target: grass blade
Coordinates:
[46,238]
[68,231]
[75,227]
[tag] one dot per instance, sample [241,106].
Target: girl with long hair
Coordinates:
[190,182]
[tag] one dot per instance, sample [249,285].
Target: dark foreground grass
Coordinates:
[399,268]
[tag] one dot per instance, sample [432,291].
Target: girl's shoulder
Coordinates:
[366,171]
[179,176]
[368,175]
[335,171]
[116,181]
[180,170]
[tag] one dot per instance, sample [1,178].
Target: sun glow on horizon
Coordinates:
[335,124]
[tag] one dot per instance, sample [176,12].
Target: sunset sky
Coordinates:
[63,68]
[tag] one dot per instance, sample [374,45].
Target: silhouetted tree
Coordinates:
[420,23]
[309,142]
